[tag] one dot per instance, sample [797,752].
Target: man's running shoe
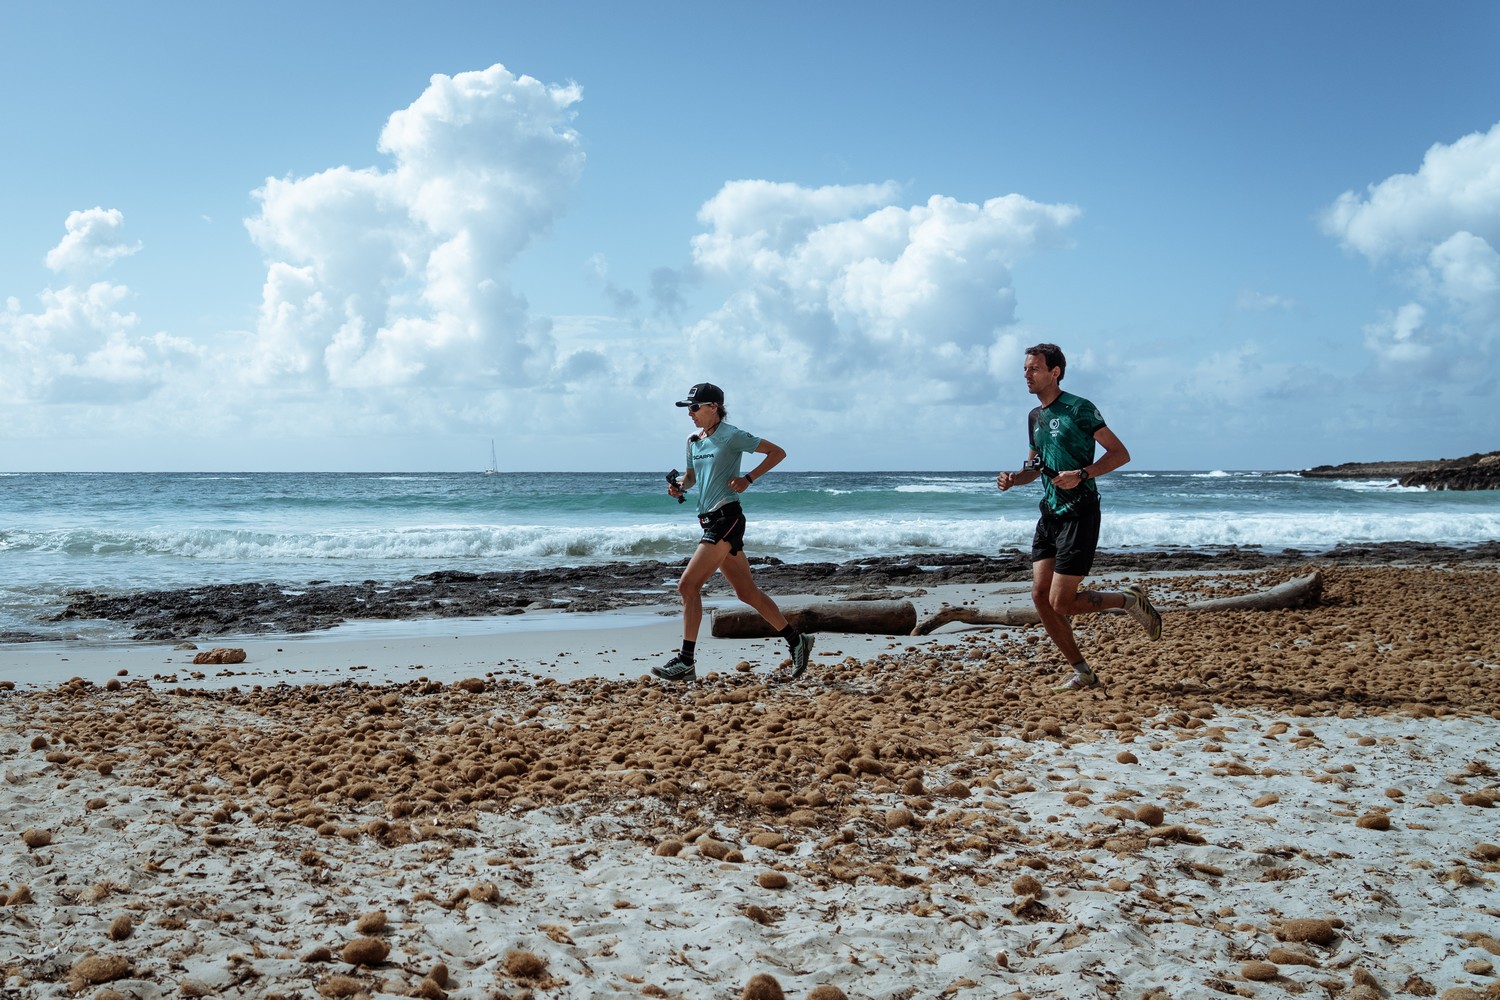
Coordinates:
[1083,677]
[676,669]
[800,652]
[1144,612]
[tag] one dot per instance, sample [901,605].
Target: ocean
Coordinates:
[109,532]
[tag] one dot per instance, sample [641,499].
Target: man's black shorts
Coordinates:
[727,524]
[1070,541]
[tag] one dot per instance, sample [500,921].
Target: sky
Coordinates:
[378,236]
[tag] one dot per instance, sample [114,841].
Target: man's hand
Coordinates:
[1070,480]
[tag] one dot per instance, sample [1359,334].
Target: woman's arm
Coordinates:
[774,454]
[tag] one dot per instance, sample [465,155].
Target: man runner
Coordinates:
[1062,432]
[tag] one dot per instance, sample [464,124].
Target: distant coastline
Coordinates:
[1480,471]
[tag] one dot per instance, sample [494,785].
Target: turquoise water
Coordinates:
[111,532]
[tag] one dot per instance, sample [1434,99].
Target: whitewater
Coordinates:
[62,532]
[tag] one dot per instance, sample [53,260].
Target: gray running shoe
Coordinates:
[800,653]
[676,669]
[1083,677]
[1144,612]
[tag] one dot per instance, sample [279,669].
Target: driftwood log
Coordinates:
[873,617]
[1301,592]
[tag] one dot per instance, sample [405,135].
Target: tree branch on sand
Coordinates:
[867,617]
[1301,592]
[900,617]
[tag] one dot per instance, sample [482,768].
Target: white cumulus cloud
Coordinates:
[840,283]
[1439,229]
[93,242]
[398,277]
[81,347]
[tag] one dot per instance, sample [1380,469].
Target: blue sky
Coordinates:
[375,236]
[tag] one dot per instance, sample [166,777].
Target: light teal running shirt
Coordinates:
[715,461]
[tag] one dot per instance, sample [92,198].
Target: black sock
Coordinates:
[790,635]
[687,650]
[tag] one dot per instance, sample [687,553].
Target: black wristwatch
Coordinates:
[1085,474]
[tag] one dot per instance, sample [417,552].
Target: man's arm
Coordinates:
[1115,455]
[1027,475]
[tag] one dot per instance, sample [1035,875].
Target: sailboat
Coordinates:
[494,469]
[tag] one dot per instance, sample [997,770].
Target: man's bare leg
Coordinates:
[1057,597]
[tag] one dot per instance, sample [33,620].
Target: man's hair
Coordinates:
[1053,355]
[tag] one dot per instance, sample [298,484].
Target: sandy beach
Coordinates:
[1295,802]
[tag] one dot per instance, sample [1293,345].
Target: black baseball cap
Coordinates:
[703,392]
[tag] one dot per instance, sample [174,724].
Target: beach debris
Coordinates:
[1481,940]
[341,986]
[36,838]
[1304,591]
[855,617]
[1291,956]
[759,915]
[827,991]
[365,951]
[771,880]
[1313,930]
[1151,814]
[1027,885]
[94,969]
[371,923]
[899,818]
[522,964]
[121,927]
[485,892]
[220,655]
[762,986]
[1257,971]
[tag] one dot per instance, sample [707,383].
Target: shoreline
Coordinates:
[1294,801]
[205,612]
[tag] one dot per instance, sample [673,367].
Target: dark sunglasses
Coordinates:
[695,407]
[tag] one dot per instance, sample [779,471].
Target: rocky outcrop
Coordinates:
[1476,472]
[1367,470]
[1480,471]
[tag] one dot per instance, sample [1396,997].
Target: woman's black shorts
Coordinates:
[727,524]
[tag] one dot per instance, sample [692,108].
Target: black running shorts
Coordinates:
[727,524]
[1070,541]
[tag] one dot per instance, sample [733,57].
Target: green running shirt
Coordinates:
[1062,435]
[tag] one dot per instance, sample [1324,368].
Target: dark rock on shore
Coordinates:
[261,608]
[1480,471]
[1476,472]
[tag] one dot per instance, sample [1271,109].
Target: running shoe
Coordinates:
[1144,612]
[1083,677]
[800,652]
[676,669]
